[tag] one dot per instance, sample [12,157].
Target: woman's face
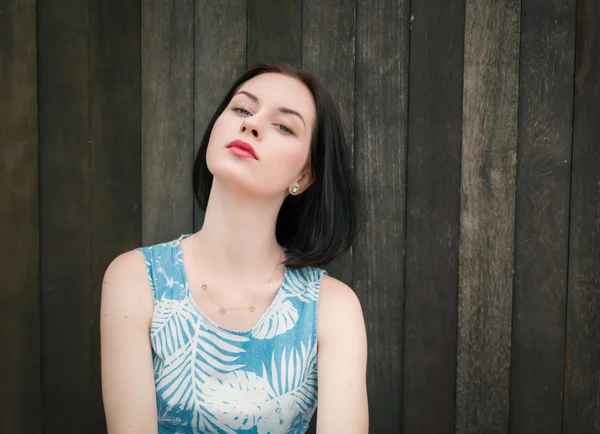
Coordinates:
[261,141]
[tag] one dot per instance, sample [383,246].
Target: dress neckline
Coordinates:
[206,318]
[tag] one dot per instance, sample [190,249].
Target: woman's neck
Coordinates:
[238,234]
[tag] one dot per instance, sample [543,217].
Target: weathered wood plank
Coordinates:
[167,119]
[220,57]
[582,381]
[274,31]
[487,215]
[328,32]
[433,202]
[64,213]
[380,162]
[542,215]
[20,394]
[115,96]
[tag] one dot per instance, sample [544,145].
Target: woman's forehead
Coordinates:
[279,89]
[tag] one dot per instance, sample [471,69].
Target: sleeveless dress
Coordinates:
[213,380]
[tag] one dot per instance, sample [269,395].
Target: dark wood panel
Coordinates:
[582,382]
[433,202]
[115,122]
[20,394]
[380,161]
[220,57]
[167,119]
[487,215]
[328,31]
[274,31]
[65,213]
[542,215]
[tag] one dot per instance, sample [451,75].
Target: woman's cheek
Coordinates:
[289,166]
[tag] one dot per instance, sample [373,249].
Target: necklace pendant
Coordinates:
[251,309]
[222,311]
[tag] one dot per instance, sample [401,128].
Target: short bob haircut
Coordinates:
[320,224]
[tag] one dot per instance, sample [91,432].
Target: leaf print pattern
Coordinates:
[279,321]
[172,324]
[296,375]
[237,398]
[191,356]
[279,394]
[304,284]
[213,380]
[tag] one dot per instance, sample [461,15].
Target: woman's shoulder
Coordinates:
[134,265]
[125,286]
[126,266]
[336,292]
[339,309]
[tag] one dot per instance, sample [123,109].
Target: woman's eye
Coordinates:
[242,111]
[284,129]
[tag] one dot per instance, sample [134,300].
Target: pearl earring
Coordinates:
[294,189]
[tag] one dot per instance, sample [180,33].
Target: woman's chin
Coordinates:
[231,172]
[243,186]
[248,179]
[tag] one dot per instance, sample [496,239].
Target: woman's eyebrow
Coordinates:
[249,95]
[254,98]
[292,112]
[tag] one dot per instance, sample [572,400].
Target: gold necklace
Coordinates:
[222,309]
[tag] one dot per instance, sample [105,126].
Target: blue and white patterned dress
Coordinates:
[213,380]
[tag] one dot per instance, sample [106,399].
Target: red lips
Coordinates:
[242,149]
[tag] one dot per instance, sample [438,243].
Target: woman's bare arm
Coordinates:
[127,373]
[342,359]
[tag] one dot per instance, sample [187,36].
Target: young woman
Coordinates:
[236,328]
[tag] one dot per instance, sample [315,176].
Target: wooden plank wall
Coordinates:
[380,141]
[65,220]
[487,215]
[582,355]
[474,133]
[545,120]
[435,84]
[20,359]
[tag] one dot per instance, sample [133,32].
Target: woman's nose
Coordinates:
[250,125]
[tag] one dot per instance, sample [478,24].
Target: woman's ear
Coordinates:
[304,181]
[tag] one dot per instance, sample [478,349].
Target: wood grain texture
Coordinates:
[582,376]
[167,119]
[380,161]
[274,31]
[64,149]
[328,46]
[115,169]
[20,394]
[220,58]
[123,92]
[487,215]
[542,215]
[433,202]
